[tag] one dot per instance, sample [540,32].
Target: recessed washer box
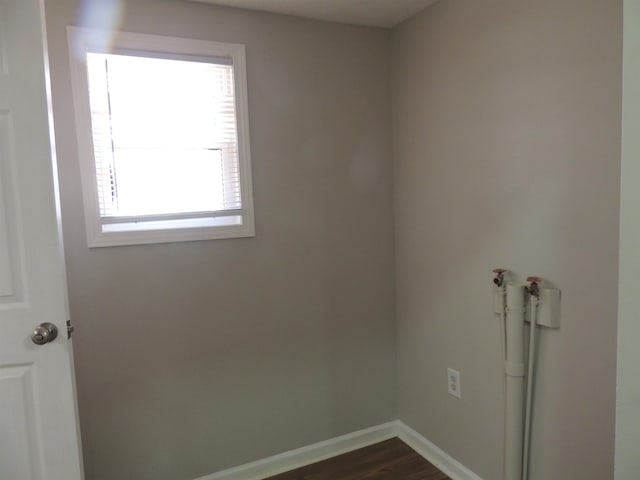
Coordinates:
[549,308]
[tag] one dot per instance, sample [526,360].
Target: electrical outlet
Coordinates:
[453,383]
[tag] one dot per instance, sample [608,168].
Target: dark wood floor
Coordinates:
[388,460]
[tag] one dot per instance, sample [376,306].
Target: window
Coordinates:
[163,138]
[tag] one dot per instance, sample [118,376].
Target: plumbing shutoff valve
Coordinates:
[548,303]
[534,286]
[498,290]
[498,281]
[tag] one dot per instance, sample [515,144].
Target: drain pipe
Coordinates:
[514,381]
[544,308]
[533,289]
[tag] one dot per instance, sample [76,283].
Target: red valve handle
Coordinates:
[534,279]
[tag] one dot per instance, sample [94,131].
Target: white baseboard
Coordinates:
[447,464]
[301,457]
[316,452]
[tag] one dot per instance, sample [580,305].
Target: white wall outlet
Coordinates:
[453,383]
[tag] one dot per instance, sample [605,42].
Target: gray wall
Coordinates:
[198,356]
[194,357]
[506,120]
[627,463]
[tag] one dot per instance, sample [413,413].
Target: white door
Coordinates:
[38,429]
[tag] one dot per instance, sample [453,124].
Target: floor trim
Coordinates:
[301,457]
[316,452]
[429,451]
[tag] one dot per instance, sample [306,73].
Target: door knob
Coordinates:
[44,333]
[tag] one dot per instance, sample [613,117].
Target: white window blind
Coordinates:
[165,137]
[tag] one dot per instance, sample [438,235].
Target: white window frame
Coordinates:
[83,40]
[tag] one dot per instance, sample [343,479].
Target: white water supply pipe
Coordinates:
[514,381]
[533,323]
[500,308]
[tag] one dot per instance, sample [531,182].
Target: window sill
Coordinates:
[121,234]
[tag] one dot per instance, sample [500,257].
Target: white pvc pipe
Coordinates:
[514,375]
[500,296]
[533,321]
[500,307]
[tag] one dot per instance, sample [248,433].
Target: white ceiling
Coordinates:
[377,13]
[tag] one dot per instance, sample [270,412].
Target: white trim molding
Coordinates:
[430,452]
[317,452]
[301,457]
